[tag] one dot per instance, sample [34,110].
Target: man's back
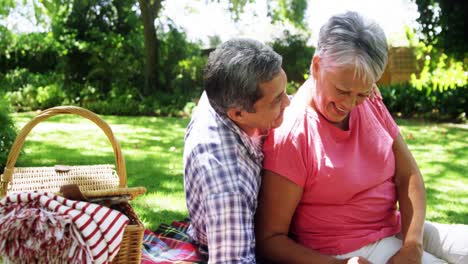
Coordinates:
[246,87]
[222,178]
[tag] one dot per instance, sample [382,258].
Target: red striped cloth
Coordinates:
[52,229]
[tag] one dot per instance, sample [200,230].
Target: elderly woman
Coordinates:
[336,168]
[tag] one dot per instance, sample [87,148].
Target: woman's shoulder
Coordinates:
[294,130]
[375,102]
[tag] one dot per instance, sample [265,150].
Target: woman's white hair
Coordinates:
[349,39]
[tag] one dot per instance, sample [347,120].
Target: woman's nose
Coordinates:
[350,102]
[286,100]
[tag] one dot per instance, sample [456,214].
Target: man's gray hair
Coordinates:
[349,39]
[235,70]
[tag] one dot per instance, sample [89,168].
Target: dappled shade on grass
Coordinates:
[441,151]
[152,148]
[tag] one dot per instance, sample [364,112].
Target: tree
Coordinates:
[149,12]
[296,55]
[443,25]
[82,27]
[6,6]
[290,10]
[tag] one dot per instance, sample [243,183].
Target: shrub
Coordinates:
[28,91]
[23,99]
[447,74]
[7,132]
[115,103]
[297,55]
[405,100]
[188,81]
[49,96]
[35,51]
[15,79]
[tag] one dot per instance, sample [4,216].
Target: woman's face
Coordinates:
[338,91]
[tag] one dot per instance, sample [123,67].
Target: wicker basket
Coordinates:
[93,180]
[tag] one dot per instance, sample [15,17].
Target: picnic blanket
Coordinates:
[40,227]
[170,244]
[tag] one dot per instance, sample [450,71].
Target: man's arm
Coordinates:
[278,200]
[230,231]
[412,202]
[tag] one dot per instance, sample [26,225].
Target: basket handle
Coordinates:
[19,141]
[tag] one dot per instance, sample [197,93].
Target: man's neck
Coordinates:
[248,130]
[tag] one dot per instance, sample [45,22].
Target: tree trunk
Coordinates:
[149,11]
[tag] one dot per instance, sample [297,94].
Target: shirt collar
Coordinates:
[254,149]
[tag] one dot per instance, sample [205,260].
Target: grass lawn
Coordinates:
[153,148]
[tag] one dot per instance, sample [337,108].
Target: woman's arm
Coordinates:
[277,203]
[412,201]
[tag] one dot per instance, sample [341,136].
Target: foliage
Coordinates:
[119,105]
[96,55]
[447,74]
[37,51]
[439,90]
[443,25]
[27,91]
[297,56]
[49,96]
[177,57]
[7,132]
[180,73]
[405,100]
[289,10]
[153,148]
[6,6]
[283,10]
[103,42]
[93,57]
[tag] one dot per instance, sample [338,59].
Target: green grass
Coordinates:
[153,148]
[441,151]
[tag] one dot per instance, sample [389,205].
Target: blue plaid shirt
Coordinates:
[222,168]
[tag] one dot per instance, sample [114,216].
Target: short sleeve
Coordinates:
[384,115]
[284,151]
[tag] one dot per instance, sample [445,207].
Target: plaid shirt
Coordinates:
[222,168]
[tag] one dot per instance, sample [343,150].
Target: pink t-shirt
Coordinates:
[349,197]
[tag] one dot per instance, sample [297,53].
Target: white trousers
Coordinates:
[442,243]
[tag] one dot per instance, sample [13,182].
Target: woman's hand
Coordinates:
[410,253]
[354,260]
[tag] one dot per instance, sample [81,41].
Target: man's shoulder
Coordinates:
[210,140]
[207,129]
[210,135]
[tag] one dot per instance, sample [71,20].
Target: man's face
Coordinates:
[338,91]
[269,108]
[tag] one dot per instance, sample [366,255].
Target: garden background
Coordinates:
[126,61]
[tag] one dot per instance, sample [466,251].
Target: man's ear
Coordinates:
[235,114]
[315,65]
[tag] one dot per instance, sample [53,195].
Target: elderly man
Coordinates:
[244,98]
